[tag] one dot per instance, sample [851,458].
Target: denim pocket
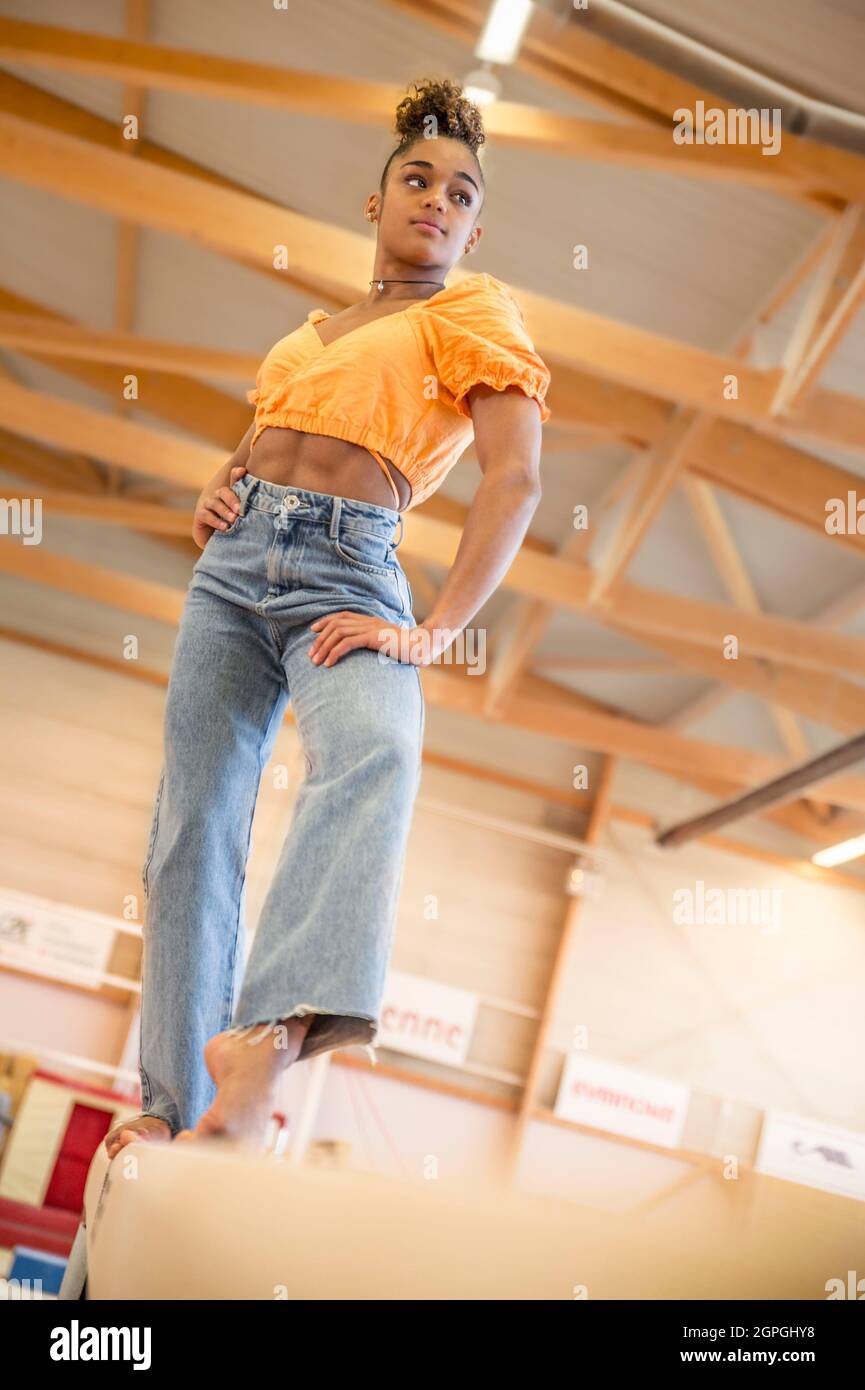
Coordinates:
[230,530]
[364,550]
[145,872]
[235,525]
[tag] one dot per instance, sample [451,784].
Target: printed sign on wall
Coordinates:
[54,939]
[427,1019]
[812,1153]
[607,1096]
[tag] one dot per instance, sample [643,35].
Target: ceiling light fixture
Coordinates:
[503,32]
[840,853]
[482,86]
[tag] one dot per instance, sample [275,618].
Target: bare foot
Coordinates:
[246,1069]
[147,1127]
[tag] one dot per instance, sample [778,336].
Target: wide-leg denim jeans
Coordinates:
[325,933]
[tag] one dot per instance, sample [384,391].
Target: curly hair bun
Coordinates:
[454,115]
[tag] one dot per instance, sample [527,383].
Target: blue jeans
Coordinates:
[324,937]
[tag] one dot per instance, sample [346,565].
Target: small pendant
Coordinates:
[380,286]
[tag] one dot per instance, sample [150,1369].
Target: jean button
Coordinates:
[291,502]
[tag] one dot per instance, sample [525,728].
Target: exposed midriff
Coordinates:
[322,463]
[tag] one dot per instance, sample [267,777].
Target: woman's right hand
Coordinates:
[216,510]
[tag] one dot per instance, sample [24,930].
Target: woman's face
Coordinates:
[432,200]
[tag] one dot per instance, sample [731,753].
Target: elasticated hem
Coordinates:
[501,375]
[312,422]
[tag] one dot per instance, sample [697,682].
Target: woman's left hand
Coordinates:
[342,632]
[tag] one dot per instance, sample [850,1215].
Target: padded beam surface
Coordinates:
[190,1221]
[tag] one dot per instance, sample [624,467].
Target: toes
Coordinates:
[154,1132]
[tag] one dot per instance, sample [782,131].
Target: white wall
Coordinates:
[754,1017]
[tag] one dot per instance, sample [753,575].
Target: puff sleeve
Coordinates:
[479,336]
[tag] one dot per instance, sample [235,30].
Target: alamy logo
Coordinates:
[853,1287]
[21,516]
[845,517]
[76,1343]
[440,646]
[727,907]
[733,126]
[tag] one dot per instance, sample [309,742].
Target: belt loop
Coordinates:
[395,544]
[243,490]
[336,511]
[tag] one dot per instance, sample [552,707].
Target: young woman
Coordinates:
[299,595]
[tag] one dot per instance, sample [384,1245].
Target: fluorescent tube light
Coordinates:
[841,853]
[503,31]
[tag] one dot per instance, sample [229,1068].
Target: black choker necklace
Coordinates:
[380,284]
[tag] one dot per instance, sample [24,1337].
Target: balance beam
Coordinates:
[192,1221]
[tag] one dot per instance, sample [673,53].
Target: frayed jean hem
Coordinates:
[336,1030]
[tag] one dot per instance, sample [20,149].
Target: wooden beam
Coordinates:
[577,801]
[824,416]
[835,704]
[587,65]
[524,622]
[759,468]
[711,624]
[831,701]
[249,229]
[730,566]
[169,198]
[577,664]
[536,706]
[65,425]
[817,353]
[150,518]
[44,468]
[793,484]
[133,104]
[838,704]
[790,172]
[648,479]
[587,402]
[789,817]
[532,708]
[660,468]
[555,986]
[197,409]
[534,573]
[835,294]
[41,334]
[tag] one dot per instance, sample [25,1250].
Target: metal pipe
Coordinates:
[770,794]
[809,116]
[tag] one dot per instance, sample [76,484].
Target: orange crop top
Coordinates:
[396,385]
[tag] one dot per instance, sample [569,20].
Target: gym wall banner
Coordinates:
[812,1153]
[622,1101]
[427,1019]
[55,939]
